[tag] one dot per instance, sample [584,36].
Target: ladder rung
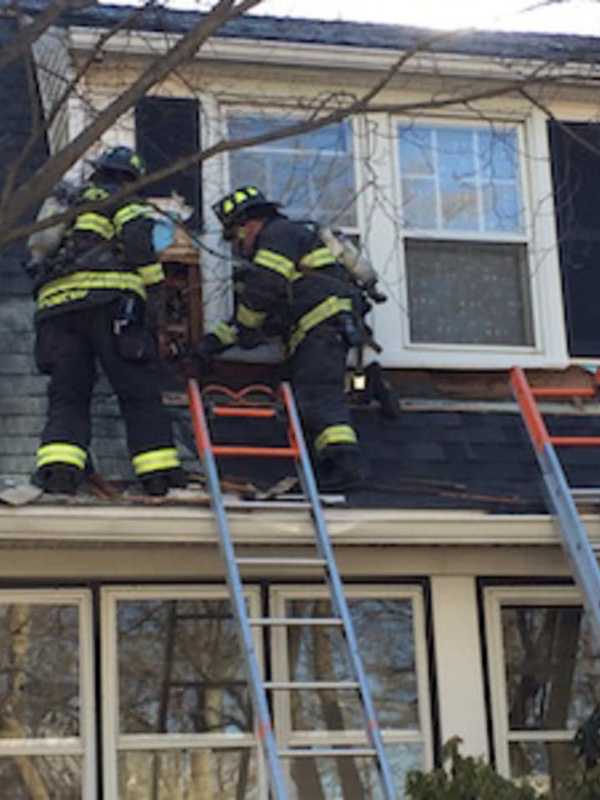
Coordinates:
[567,441]
[586,494]
[259,561]
[245,450]
[328,752]
[301,685]
[286,622]
[564,391]
[243,411]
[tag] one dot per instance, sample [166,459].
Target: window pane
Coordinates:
[39,670]
[28,777]
[319,653]
[202,774]
[180,668]
[497,153]
[352,778]
[468,293]
[459,204]
[416,150]
[312,174]
[419,203]
[500,209]
[542,764]
[552,674]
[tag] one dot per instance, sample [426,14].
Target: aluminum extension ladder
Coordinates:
[559,495]
[240,405]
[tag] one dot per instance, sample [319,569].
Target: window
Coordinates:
[46,696]
[312,174]
[544,675]
[463,224]
[397,674]
[179,719]
[177,714]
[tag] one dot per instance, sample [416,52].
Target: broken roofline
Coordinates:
[376,43]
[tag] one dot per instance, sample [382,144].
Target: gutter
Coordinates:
[259,525]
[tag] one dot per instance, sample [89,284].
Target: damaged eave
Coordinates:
[111,525]
[339,57]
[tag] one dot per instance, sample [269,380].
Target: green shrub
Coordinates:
[466,779]
[472,779]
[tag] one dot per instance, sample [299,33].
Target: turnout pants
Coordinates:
[67,348]
[317,375]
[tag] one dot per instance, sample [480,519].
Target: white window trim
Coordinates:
[391,319]
[113,741]
[83,745]
[278,596]
[494,599]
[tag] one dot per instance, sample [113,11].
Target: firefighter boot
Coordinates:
[157,484]
[341,470]
[58,478]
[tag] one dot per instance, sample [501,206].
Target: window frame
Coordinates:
[549,348]
[278,595]
[494,600]
[113,741]
[83,745]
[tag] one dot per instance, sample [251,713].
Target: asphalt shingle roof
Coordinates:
[557,48]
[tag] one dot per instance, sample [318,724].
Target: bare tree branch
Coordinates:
[52,170]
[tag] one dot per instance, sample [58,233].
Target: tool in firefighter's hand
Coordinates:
[355,262]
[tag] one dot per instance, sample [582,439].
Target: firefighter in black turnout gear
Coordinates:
[316,314]
[97,298]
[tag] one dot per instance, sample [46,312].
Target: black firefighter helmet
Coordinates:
[121,160]
[243,204]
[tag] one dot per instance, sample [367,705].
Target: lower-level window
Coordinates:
[544,672]
[46,696]
[178,719]
[177,715]
[389,626]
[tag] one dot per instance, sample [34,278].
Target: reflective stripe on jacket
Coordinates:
[104,253]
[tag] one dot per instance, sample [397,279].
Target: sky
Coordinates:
[575,16]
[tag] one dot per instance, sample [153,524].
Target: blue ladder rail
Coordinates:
[241,404]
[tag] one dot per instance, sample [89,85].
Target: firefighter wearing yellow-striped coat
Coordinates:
[315,311]
[95,299]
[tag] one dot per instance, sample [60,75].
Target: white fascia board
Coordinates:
[175,525]
[297,54]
